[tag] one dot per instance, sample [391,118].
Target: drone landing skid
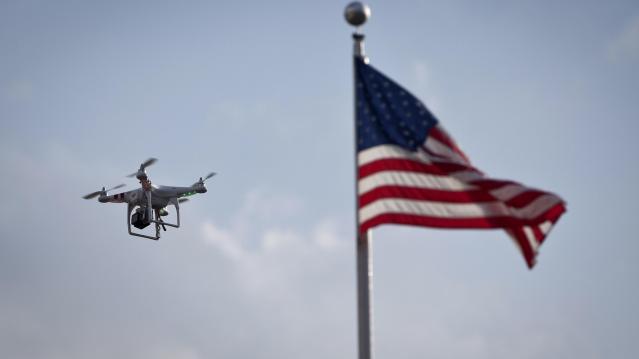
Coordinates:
[155,219]
[158,220]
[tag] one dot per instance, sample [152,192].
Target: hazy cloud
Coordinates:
[265,255]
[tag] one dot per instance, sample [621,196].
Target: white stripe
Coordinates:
[509,191]
[395,152]
[390,151]
[432,209]
[412,179]
[536,207]
[467,176]
[530,236]
[441,149]
[545,227]
[455,210]
[515,240]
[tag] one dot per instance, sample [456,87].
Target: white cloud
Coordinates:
[625,45]
[223,240]
[268,253]
[296,274]
[274,239]
[325,235]
[265,206]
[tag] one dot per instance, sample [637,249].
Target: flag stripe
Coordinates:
[391,191]
[390,164]
[517,234]
[458,223]
[518,201]
[525,198]
[545,227]
[457,210]
[444,151]
[539,236]
[507,191]
[438,133]
[389,152]
[412,179]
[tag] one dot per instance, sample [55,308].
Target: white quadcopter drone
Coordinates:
[150,201]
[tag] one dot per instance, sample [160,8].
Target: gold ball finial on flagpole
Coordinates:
[357,13]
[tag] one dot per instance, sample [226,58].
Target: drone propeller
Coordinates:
[97,193]
[143,166]
[202,180]
[182,200]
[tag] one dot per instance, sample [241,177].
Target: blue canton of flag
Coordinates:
[388,114]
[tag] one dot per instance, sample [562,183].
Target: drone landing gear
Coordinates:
[158,219]
[143,218]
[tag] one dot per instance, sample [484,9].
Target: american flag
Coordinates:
[410,171]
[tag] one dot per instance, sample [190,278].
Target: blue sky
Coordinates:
[261,92]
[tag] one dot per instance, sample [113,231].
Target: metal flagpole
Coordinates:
[356,14]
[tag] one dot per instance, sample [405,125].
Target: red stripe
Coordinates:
[523,199]
[424,194]
[438,222]
[442,137]
[438,157]
[539,235]
[524,245]
[553,218]
[393,164]
[492,184]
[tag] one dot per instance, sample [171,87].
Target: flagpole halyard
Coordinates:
[356,14]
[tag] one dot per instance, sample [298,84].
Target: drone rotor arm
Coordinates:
[92,195]
[103,191]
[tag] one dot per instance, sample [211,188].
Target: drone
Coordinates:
[147,205]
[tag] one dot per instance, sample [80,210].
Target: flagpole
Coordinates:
[356,14]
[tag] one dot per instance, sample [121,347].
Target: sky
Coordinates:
[545,93]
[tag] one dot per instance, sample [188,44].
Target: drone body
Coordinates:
[150,201]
